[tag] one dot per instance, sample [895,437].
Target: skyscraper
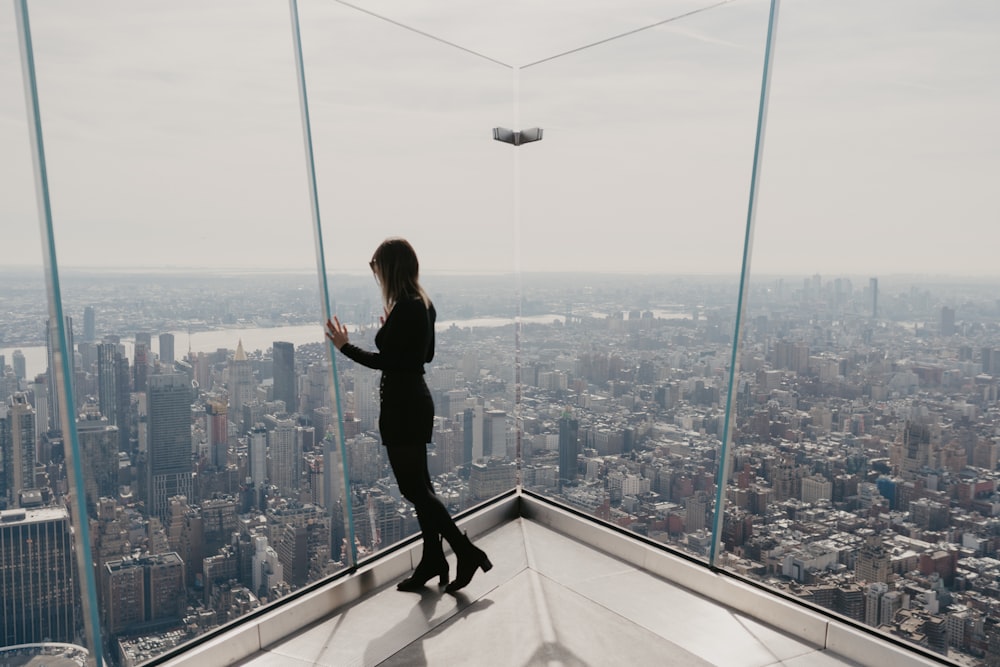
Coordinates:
[140,367]
[37,597]
[107,381]
[257,455]
[89,324]
[52,340]
[123,402]
[99,456]
[569,433]
[947,321]
[113,395]
[494,433]
[366,403]
[468,431]
[167,348]
[19,441]
[286,459]
[241,385]
[873,287]
[284,375]
[143,590]
[218,431]
[19,364]
[168,461]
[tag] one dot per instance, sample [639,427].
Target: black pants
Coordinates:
[409,465]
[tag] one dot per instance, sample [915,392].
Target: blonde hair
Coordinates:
[398,271]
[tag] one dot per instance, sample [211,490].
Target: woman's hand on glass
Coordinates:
[336,332]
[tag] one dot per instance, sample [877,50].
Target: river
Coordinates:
[256,338]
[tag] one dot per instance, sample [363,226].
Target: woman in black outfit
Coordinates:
[406,418]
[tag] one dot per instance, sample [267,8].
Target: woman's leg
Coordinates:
[409,465]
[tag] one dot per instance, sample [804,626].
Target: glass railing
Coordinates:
[634,209]
[44,601]
[382,98]
[590,272]
[865,447]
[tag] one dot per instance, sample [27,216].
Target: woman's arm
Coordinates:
[405,341]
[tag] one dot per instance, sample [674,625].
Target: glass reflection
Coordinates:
[633,211]
[192,318]
[401,127]
[49,608]
[865,450]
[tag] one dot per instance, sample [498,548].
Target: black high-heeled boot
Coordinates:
[470,559]
[432,564]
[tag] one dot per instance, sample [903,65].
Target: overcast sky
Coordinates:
[174,138]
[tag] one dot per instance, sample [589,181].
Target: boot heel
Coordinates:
[470,559]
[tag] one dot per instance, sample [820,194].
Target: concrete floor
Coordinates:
[549,600]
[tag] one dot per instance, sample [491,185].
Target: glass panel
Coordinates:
[176,165]
[48,602]
[402,127]
[633,212]
[866,448]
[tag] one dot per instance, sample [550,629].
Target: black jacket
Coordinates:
[405,343]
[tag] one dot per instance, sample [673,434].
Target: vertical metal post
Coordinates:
[724,465]
[324,290]
[61,354]
[518,419]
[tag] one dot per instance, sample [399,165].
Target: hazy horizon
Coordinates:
[880,154]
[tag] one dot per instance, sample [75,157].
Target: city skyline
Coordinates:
[865,449]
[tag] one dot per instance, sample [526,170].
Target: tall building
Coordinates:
[19,364]
[285,382]
[947,321]
[315,389]
[99,457]
[37,589]
[168,460]
[816,488]
[873,288]
[494,433]
[366,400]
[257,453]
[143,590]
[872,563]
[144,338]
[140,366]
[873,602]
[241,384]
[123,402]
[293,552]
[468,435]
[52,340]
[267,569]
[491,477]
[167,348]
[107,381]
[89,324]
[218,431]
[569,436]
[696,512]
[285,459]
[18,439]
